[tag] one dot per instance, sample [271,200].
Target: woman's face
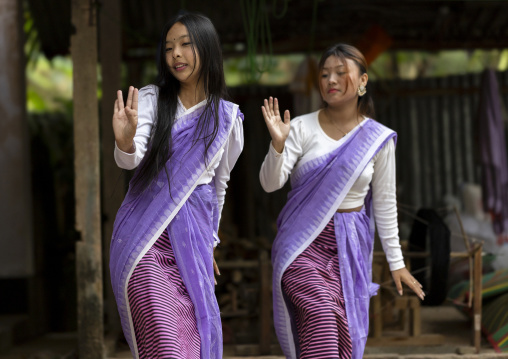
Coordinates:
[339,84]
[180,55]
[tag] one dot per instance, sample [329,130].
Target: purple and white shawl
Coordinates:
[144,216]
[318,188]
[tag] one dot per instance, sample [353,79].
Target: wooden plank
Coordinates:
[477,295]
[112,181]
[421,340]
[377,318]
[401,303]
[416,322]
[239,264]
[408,254]
[87,186]
[265,315]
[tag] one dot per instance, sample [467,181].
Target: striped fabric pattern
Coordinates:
[317,191]
[162,311]
[312,284]
[495,302]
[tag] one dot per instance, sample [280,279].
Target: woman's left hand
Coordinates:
[215,268]
[403,275]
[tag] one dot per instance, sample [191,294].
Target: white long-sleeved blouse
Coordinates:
[219,171]
[307,141]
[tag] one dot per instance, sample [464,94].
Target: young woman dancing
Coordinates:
[342,167]
[184,139]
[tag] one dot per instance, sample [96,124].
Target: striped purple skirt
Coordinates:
[162,311]
[313,290]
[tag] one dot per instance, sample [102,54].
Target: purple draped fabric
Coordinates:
[191,219]
[318,188]
[493,152]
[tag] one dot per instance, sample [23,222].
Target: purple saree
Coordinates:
[318,188]
[191,218]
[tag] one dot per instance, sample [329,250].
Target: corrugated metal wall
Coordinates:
[435,119]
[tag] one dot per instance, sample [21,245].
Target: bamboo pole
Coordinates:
[112,184]
[477,297]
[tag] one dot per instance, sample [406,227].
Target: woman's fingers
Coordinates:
[267,108]
[115,108]
[276,107]
[216,267]
[403,275]
[119,97]
[287,117]
[216,270]
[129,97]
[135,99]
[398,284]
[415,286]
[265,114]
[272,113]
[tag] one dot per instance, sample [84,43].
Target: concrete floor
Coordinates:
[444,320]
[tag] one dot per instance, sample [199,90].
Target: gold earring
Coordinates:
[361,90]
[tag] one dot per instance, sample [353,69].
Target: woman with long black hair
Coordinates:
[184,139]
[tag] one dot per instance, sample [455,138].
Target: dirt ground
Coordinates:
[445,320]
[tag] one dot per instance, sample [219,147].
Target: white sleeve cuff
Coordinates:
[397,265]
[273,151]
[127,161]
[126,154]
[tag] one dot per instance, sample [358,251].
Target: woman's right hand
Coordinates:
[279,130]
[125,120]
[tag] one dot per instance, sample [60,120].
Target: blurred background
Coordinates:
[437,74]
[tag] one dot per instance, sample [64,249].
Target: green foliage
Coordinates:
[283,68]
[49,85]
[32,42]
[414,64]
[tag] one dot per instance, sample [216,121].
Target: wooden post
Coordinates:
[265,298]
[87,187]
[16,230]
[112,177]
[416,322]
[377,318]
[477,296]
[18,248]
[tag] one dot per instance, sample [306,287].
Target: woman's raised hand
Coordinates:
[125,119]
[279,129]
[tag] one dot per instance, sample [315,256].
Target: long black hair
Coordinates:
[205,42]
[344,51]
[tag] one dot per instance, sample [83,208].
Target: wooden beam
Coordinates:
[265,299]
[18,248]
[112,179]
[16,229]
[477,297]
[377,317]
[407,341]
[87,186]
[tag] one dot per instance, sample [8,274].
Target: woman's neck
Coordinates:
[343,115]
[191,95]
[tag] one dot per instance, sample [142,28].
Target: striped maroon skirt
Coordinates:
[313,290]
[162,311]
